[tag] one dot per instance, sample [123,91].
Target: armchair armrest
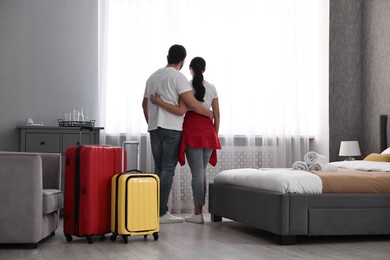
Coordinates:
[51,168]
[20,197]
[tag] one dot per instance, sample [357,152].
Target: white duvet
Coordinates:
[285,180]
[279,180]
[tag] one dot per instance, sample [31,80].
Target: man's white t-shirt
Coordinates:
[169,83]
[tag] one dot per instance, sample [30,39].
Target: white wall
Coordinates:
[48,62]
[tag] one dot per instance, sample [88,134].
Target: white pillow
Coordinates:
[387,151]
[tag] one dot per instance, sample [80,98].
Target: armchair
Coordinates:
[30,196]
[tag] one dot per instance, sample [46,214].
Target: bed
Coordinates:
[288,215]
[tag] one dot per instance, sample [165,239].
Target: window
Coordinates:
[267,59]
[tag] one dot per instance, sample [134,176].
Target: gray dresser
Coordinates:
[54,139]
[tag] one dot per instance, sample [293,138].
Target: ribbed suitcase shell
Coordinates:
[87,193]
[135,205]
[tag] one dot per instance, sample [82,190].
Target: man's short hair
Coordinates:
[176,54]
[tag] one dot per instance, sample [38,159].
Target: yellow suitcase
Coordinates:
[135,205]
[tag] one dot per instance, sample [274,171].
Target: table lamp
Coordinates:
[349,149]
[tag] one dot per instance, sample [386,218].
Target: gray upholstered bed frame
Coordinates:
[291,215]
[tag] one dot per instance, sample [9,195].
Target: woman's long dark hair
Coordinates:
[198,65]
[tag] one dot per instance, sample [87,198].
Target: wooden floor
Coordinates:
[224,240]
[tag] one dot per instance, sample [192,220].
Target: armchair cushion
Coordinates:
[52,200]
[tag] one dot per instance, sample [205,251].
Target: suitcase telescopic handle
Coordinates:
[90,128]
[123,153]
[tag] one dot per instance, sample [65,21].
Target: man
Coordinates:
[165,128]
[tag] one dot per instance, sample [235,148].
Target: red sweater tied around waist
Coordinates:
[198,132]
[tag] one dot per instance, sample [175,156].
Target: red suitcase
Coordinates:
[87,193]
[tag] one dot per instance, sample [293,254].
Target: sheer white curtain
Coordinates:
[267,59]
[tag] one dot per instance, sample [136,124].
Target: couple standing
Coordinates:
[168,96]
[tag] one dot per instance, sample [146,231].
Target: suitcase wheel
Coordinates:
[89,239]
[125,238]
[155,236]
[145,236]
[68,237]
[113,237]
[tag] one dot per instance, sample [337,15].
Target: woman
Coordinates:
[200,135]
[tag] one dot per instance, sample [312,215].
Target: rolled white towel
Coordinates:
[301,166]
[313,157]
[323,167]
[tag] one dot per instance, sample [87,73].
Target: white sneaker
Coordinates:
[168,218]
[198,219]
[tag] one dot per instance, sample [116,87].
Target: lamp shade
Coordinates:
[349,148]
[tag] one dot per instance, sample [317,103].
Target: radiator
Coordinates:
[228,158]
